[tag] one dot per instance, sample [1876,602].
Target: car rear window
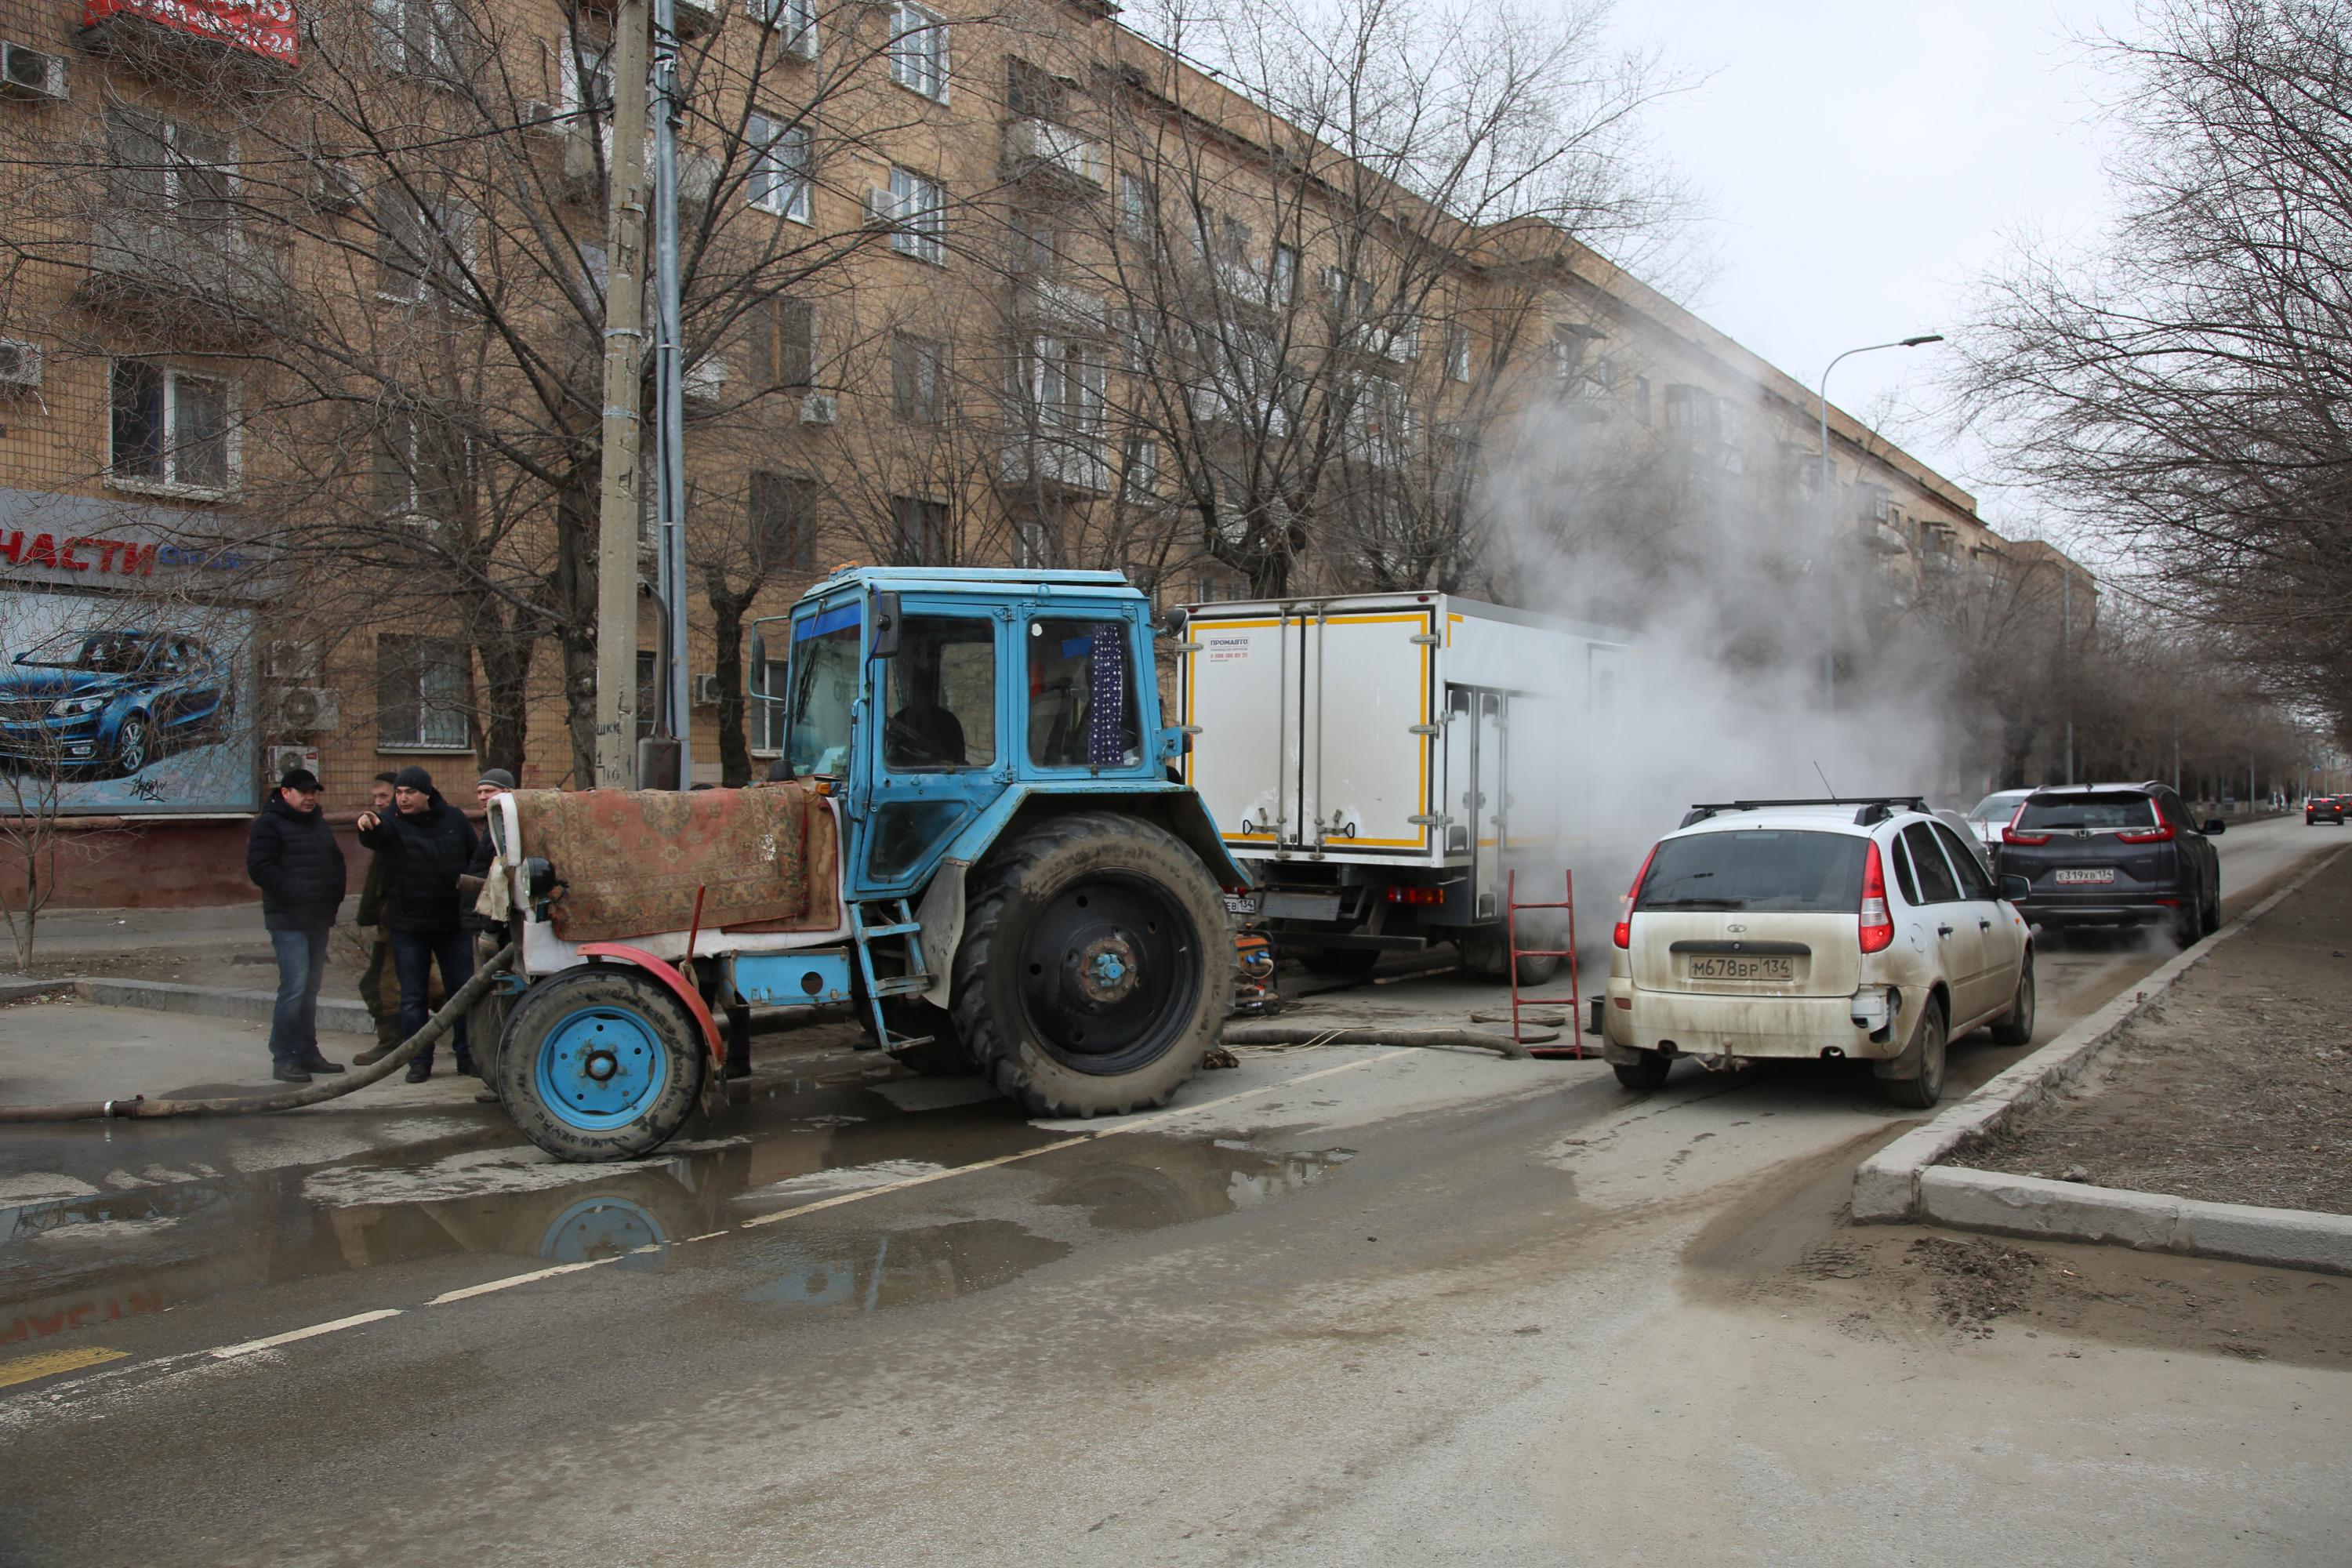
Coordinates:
[1759,870]
[2097,812]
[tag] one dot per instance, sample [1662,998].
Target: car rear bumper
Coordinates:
[1786,1027]
[2100,912]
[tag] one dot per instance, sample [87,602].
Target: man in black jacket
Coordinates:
[429,844]
[292,857]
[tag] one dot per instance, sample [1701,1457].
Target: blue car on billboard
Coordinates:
[108,703]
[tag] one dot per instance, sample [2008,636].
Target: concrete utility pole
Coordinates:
[669,384]
[1828,519]
[2066,659]
[624,331]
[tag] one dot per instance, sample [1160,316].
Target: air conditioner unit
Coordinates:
[820,408]
[29,73]
[536,114]
[286,660]
[283,760]
[20,362]
[306,708]
[705,691]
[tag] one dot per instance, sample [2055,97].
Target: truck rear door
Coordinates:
[1241,691]
[1366,776]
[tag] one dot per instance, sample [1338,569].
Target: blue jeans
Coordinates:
[413,958]
[294,1021]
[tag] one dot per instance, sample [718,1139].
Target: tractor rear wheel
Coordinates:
[1097,969]
[600,1063]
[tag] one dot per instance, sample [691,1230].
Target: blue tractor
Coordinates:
[971,834]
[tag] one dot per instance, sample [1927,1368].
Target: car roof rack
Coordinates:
[1871,808]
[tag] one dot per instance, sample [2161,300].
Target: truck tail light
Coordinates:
[1877,924]
[1623,935]
[1416,895]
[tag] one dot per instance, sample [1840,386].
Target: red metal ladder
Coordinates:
[1574,999]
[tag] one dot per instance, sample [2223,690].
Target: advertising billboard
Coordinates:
[125,704]
[265,28]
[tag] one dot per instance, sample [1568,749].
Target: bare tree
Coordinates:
[2181,382]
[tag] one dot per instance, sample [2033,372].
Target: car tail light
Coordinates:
[1624,936]
[2009,834]
[1877,924]
[2161,834]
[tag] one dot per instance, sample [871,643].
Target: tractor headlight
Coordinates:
[72,707]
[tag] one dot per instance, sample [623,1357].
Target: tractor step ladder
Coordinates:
[1575,997]
[914,982]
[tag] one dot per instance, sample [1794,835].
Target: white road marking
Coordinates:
[511,1281]
[223,1353]
[1137,1124]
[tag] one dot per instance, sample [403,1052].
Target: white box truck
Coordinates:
[1381,762]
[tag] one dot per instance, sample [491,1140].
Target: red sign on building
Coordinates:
[264,26]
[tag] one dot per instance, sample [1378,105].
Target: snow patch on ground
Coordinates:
[41,1187]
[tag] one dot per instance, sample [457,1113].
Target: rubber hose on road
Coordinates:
[138,1106]
[1346,1035]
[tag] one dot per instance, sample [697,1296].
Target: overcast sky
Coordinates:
[1858,163]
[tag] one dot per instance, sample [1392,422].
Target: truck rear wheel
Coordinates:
[1487,957]
[1096,969]
[600,1063]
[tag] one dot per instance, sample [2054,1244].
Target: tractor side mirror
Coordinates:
[758,662]
[1173,622]
[886,626]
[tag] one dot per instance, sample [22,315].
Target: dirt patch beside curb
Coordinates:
[2235,1088]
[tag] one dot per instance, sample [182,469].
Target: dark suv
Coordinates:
[2120,853]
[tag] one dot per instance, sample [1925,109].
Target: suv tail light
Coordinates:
[2159,835]
[1623,935]
[1877,924]
[2009,834]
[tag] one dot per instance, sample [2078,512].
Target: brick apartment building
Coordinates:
[300,319]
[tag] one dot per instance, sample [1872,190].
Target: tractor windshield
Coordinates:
[823,675]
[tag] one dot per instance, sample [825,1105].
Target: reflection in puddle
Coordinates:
[74,1262]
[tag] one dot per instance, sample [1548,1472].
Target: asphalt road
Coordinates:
[1340,1306]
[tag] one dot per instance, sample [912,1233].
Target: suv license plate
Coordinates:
[1714,967]
[2076,875]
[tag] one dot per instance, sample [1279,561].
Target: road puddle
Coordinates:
[77,1261]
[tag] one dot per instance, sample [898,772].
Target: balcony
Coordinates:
[1055,151]
[1049,305]
[214,280]
[1062,463]
[588,159]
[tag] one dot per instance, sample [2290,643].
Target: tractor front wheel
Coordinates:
[1097,970]
[600,1063]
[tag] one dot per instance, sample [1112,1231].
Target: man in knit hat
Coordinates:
[430,844]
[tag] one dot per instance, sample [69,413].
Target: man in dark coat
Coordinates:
[292,857]
[379,988]
[429,844]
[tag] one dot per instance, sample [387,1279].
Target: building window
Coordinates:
[918,216]
[419,471]
[1134,208]
[779,167]
[419,38]
[1063,384]
[1282,278]
[1642,399]
[1693,409]
[1457,353]
[915,376]
[424,693]
[1140,480]
[421,249]
[168,171]
[783,521]
[795,20]
[919,51]
[1032,93]
[1036,249]
[783,345]
[923,528]
[169,429]
[1032,544]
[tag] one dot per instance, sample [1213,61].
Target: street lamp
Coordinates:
[1829,657]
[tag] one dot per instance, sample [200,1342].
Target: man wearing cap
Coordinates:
[292,857]
[430,844]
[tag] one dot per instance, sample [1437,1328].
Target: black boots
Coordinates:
[314,1062]
[290,1072]
[420,1069]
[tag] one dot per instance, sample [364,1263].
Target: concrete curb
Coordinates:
[14,990]
[345,1015]
[2152,1222]
[1886,1186]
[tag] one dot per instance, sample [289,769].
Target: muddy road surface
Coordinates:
[1340,1305]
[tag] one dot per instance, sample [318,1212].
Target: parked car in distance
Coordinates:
[2115,854]
[2323,808]
[1990,815]
[1821,929]
[108,703]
